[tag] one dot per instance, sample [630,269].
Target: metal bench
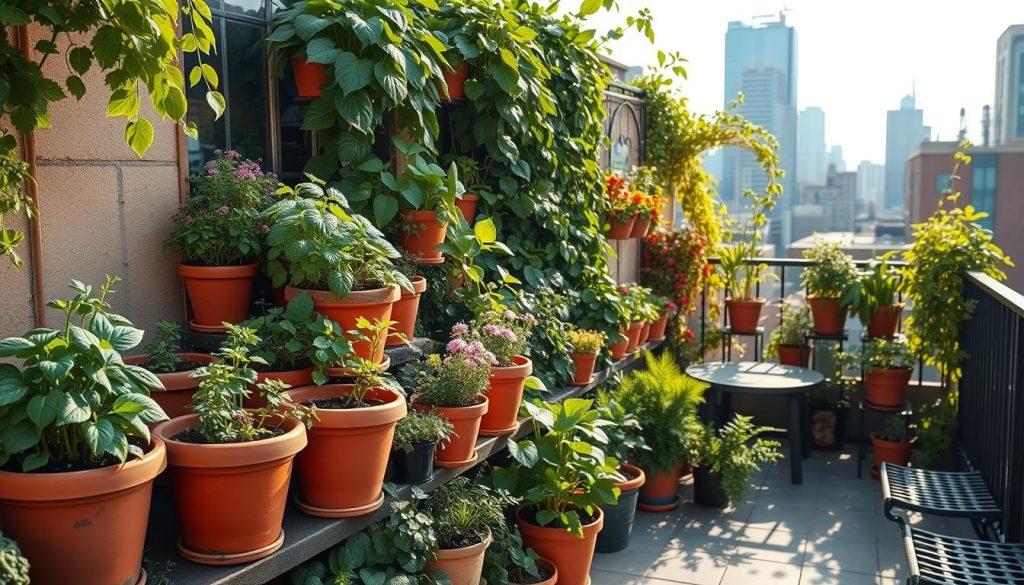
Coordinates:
[934,559]
[942,493]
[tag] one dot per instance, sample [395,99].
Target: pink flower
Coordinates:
[233,154]
[188,219]
[530,319]
[213,171]
[508,314]
[460,329]
[671,307]
[509,335]
[224,209]
[491,329]
[623,290]
[241,416]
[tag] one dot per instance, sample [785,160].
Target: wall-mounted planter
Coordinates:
[218,294]
[621,229]
[640,226]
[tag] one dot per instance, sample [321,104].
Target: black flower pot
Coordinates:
[707,489]
[415,467]
[618,519]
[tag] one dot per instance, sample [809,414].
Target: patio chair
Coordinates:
[934,559]
[942,493]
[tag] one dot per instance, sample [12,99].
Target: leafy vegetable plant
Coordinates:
[163,352]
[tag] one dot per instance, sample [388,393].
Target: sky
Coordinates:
[855,59]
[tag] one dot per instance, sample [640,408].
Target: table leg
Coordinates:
[860,438]
[805,425]
[725,412]
[795,441]
[711,406]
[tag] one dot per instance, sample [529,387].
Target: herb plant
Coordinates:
[875,289]
[796,322]
[417,428]
[506,334]
[831,273]
[586,340]
[458,379]
[464,512]
[163,358]
[736,452]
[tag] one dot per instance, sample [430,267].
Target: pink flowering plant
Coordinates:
[504,333]
[457,379]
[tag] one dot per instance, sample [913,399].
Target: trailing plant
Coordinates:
[586,340]
[616,190]
[795,323]
[417,428]
[735,451]
[506,334]
[831,273]
[458,379]
[638,302]
[623,430]
[509,560]
[72,403]
[675,266]
[464,512]
[874,289]
[14,172]
[162,352]
[14,566]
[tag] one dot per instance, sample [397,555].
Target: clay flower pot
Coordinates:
[422,233]
[218,294]
[645,333]
[82,527]
[888,452]
[456,82]
[309,77]
[464,566]
[829,317]
[707,489]
[179,387]
[504,395]
[550,569]
[584,363]
[794,355]
[293,378]
[658,493]
[633,336]
[618,518]
[886,386]
[372,304]
[640,226]
[744,314]
[467,206]
[363,435]
[658,328]
[405,310]
[618,349]
[621,230]
[884,321]
[230,498]
[572,556]
[460,450]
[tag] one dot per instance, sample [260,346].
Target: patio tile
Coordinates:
[770,545]
[654,529]
[848,524]
[712,539]
[892,561]
[683,566]
[635,560]
[606,578]
[746,572]
[822,576]
[784,517]
[856,556]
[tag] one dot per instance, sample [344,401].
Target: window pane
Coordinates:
[246,87]
[255,8]
[212,133]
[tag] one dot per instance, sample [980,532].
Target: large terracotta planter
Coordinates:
[584,363]
[744,314]
[176,397]
[463,566]
[572,556]
[421,234]
[218,294]
[888,452]
[82,527]
[794,355]
[292,378]
[467,206]
[363,435]
[460,449]
[658,493]
[230,498]
[551,570]
[885,321]
[828,315]
[640,226]
[372,304]
[886,386]
[633,336]
[618,517]
[456,82]
[620,230]
[504,395]
[658,328]
[309,77]
[404,312]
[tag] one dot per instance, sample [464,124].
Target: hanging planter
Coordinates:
[621,229]
[218,294]
[460,450]
[658,328]
[885,321]
[309,77]
[463,566]
[404,312]
[467,205]
[176,396]
[421,233]
[374,304]
[658,492]
[571,555]
[828,314]
[504,395]
[618,518]
[794,355]
[456,83]
[744,314]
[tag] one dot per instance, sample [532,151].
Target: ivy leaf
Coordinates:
[385,207]
[106,45]
[351,72]
[319,116]
[507,78]
[139,134]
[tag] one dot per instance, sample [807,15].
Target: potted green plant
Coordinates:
[888,366]
[621,211]
[464,514]
[873,299]
[412,451]
[75,441]
[788,341]
[661,397]
[624,437]
[666,309]
[827,280]
[562,491]
[230,467]
[406,309]
[724,459]
[219,233]
[741,276]
[586,344]
[318,246]
[646,197]
[891,445]
[429,194]
[471,176]
[634,299]
[15,565]
[172,366]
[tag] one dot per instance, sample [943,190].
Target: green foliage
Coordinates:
[736,452]
[13,199]
[874,289]
[461,508]
[550,343]
[13,565]
[831,273]
[425,186]
[624,433]
[458,379]
[470,172]
[417,428]
[946,247]
[73,400]
[506,334]
[210,233]
[887,354]
[936,433]
[465,246]
[895,430]
[587,340]
[796,322]
[162,352]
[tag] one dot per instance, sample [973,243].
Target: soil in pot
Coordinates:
[548,574]
[658,328]
[640,226]
[462,562]
[828,315]
[82,527]
[421,233]
[504,395]
[309,77]
[658,493]
[404,312]
[456,82]
[794,355]
[218,294]
[415,467]
[460,449]
[179,386]
[618,518]
[707,489]
[372,304]
[621,230]
[585,363]
[888,452]
[633,336]
[467,206]
[886,386]
[571,556]
[744,314]
[885,321]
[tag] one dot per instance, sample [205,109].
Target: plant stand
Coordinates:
[811,336]
[728,334]
[906,411]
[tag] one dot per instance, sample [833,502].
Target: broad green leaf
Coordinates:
[43,410]
[20,436]
[13,16]
[307,25]
[485,231]
[352,73]
[13,346]
[139,135]
[385,207]
[321,50]
[357,109]
[80,59]
[217,103]
[12,390]
[34,461]
[76,86]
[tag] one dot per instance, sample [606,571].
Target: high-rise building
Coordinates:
[826,208]
[1008,117]
[904,132]
[811,166]
[835,158]
[870,185]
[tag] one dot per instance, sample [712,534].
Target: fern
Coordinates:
[735,452]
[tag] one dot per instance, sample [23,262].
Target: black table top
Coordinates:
[762,378]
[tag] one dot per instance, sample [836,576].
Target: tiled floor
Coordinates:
[828,531]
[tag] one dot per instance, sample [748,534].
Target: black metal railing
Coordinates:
[991,410]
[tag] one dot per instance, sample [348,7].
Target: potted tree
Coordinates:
[827,280]
[75,441]
[430,195]
[405,310]
[891,445]
[724,460]
[172,366]
[463,514]
[873,299]
[621,212]
[417,435]
[624,438]
[788,341]
[586,344]
[230,466]
[888,366]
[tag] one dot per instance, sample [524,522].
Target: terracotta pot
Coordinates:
[504,395]
[618,349]
[82,527]
[572,556]
[885,321]
[888,452]
[584,363]
[464,566]
[633,336]
[467,206]
[744,314]
[886,386]
[795,355]
[829,317]
[179,387]
[658,493]
[372,304]
[551,569]
[363,435]
[645,333]
[404,312]
[230,498]
[640,226]
[456,82]
[460,449]
[658,328]
[621,230]
[309,77]
[219,294]
[422,233]
[293,378]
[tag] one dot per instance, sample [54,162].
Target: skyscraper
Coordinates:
[811,167]
[904,132]
[835,158]
[870,184]
[1008,117]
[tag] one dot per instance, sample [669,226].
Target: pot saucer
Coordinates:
[142,577]
[499,432]
[457,464]
[339,512]
[658,340]
[230,559]
[431,261]
[587,383]
[205,328]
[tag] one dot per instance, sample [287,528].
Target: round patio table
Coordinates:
[763,379]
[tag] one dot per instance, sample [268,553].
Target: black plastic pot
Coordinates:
[415,467]
[707,489]
[618,523]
